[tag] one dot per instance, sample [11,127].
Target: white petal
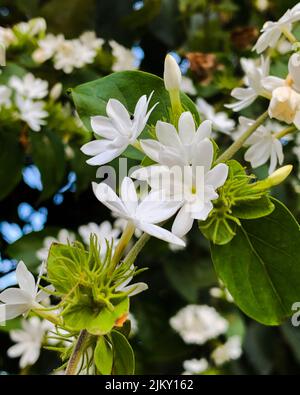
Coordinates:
[203,155]
[129,195]
[41,295]
[109,198]
[204,131]
[270,83]
[103,127]
[106,157]
[154,208]
[25,279]
[119,115]
[11,311]
[152,149]
[135,289]
[183,222]
[167,134]
[160,233]
[16,296]
[186,127]
[217,176]
[203,214]
[96,147]
[16,350]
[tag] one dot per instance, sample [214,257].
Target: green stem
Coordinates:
[292,39]
[285,131]
[135,250]
[176,105]
[126,237]
[44,313]
[77,353]
[231,151]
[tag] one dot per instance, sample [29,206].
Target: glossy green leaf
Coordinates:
[124,362]
[127,86]
[261,266]
[254,209]
[103,356]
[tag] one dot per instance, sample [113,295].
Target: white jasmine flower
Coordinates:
[47,47]
[90,40]
[7,36]
[117,131]
[63,237]
[32,113]
[231,350]
[195,366]
[104,232]
[220,120]
[5,94]
[17,301]
[264,146]
[195,187]
[124,57]
[285,105]
[254,78]
[197,324]
[272,31]
[187,86]
[29,87]
[145,215]
[72,54]
[172,74]
[174,148]
[28,341]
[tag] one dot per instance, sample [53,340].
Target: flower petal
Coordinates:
[217,176]
[119,116]
[106,157]
[109,198]
[129,195]
[186,127]
[103,127]
[167,134]
[204,131]
[25,279]
[160,233]
[183,222]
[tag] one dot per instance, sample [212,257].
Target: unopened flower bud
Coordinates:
[172,74]
[56,91]
[279,175]
[294,70]
[285,104]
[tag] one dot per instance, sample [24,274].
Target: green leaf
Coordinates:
[124,362]
[127,86]
[11,161]
[260,266]
[103,356]
[48,155]
[254,209]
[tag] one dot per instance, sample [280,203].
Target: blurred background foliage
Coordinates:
[209,37]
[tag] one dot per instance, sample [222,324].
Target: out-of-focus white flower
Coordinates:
[90,40]
[172,74]
[17,301]
[231,350]
[104,232]
[29,87]
[284,46]
[47,47]
[254,78]
[195,366]
[272,31]
[262,5]
[37,26]
[146,214]
[28,341]
[197,324]
[187,86]
[7,36]
[124,57]
[72,54]
[63,237]
[174,148]
[5,95]
[32,113]
[117,131]
[220,120]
